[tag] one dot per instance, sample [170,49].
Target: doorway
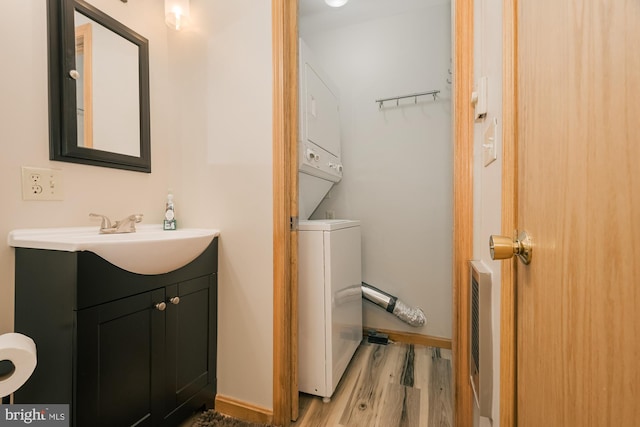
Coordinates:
[285,29]
[387,64]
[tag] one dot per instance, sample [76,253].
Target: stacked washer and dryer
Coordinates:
[329,251]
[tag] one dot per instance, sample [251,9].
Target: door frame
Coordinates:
[508,416]
[285,207]
[463,124]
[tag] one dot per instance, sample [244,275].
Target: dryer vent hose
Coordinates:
[412,316]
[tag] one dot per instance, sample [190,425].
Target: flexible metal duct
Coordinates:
[412,316]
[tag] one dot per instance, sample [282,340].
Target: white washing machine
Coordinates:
[329,253]
[330,302]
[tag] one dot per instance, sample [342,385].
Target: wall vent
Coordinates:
[480,336]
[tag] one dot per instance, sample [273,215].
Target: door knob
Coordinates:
[174,300]
[160,306]
[503,247]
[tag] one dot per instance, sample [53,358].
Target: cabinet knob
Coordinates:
[160,306]
[174,300]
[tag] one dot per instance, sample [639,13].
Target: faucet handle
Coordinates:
[128,224]
[135,217]
[106,222]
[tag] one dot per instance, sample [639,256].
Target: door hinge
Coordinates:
[293,223]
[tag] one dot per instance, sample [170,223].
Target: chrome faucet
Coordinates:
[126,225]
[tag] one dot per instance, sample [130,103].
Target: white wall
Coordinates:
[487,180]
[221,70]
[211,143]
[397,161]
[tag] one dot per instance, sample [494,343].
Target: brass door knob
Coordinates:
[503,247]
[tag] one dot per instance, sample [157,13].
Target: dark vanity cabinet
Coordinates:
[121,348]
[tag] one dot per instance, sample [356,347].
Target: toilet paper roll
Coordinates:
[21,351]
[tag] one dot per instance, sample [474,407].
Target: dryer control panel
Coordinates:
[315,161]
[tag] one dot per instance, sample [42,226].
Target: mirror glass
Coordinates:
[107,97]
[99,89]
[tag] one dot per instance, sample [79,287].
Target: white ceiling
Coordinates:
[309,7]
[316,15]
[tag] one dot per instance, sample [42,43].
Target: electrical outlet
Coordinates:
[41,184]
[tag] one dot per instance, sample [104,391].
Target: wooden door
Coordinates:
[578,138]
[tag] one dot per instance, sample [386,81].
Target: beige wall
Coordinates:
[211,143]
[221,72]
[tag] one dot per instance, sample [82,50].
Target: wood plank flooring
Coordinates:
[402,385]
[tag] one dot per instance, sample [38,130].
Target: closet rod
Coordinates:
[413,95]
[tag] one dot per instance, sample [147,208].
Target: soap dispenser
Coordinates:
[170,214]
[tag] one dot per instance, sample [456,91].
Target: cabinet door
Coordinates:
[191,341]
[120,351]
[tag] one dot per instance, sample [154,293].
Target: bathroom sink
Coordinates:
[150,250]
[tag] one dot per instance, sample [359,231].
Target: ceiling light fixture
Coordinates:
[176,13]
[336,3]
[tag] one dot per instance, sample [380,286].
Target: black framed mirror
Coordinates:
[98,89]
